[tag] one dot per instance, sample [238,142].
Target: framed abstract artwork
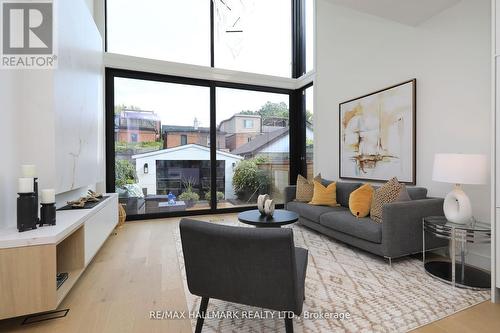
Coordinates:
[378,135]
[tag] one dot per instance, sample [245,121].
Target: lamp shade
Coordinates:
[460,168]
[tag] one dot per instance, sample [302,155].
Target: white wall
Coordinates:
[449,55]
[39,108]
[78,99]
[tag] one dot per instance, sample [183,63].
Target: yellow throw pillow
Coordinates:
[324,196]
[360,201]
[305,188]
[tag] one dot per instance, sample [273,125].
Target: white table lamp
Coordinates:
[459,169]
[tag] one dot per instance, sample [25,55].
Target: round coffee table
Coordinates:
[279,218]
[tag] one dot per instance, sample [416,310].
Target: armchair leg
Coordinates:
[288,325]
[203,311]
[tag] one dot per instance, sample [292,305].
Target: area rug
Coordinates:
[343,280]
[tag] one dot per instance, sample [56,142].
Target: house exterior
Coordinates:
[165,170]
[174,136]
[240,129]
[137,126]
[275,144]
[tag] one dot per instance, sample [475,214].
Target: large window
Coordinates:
[177,31]
[181,145]
[254,36]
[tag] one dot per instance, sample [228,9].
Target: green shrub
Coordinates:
[189,196]
[125,173]
[220,196]
[249,180]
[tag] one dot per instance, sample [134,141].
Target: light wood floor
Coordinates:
[137,271]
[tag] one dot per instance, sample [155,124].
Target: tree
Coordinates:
[121,107]
[270,110]
[125,173]
[309,117]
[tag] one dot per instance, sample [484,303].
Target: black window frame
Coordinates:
[297,111]
[298,36]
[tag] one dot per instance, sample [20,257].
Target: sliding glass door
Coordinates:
[162,146]
[178,146]
[255,125]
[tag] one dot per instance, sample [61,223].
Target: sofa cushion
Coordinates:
[387,193]
[344,190]
[324,195]
[305,188]
[345,222]
[417,193]
[360,201]
[311,212]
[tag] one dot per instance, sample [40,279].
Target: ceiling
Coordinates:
[410,12]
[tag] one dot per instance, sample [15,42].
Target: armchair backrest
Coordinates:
[240,264]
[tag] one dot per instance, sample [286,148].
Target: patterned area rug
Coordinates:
[344,280]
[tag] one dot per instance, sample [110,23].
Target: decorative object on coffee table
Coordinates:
[457,274]
[377,135]
[269,207]
[459,169]
[280,217]
[261,200]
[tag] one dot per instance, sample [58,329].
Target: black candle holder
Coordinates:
[48,214]
[35,189]
[27,212]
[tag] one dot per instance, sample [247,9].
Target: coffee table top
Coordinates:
[279,218]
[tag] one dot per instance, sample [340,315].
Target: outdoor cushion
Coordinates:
[311,212]
[345,222]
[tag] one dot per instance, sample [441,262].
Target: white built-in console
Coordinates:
[31,260]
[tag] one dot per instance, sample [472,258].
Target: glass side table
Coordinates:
[455,273]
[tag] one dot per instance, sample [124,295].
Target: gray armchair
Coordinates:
[256,267]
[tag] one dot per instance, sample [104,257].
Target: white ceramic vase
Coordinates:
[269,207]
[261,200]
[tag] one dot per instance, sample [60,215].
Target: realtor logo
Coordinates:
[27,34]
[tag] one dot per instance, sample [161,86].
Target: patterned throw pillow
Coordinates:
[305,188]
[387,193]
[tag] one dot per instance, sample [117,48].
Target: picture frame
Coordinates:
[377,135]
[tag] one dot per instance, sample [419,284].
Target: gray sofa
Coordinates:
[400,233]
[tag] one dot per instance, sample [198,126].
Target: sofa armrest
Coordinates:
[290,192]
[402,226]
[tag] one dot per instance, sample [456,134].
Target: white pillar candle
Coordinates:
[28,170]
[48,196]
[25,185]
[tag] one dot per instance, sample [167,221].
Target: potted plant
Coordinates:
[220,196]
[189,196]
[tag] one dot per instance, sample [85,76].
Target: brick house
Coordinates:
[240,129]
[137,126]
[175,135]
